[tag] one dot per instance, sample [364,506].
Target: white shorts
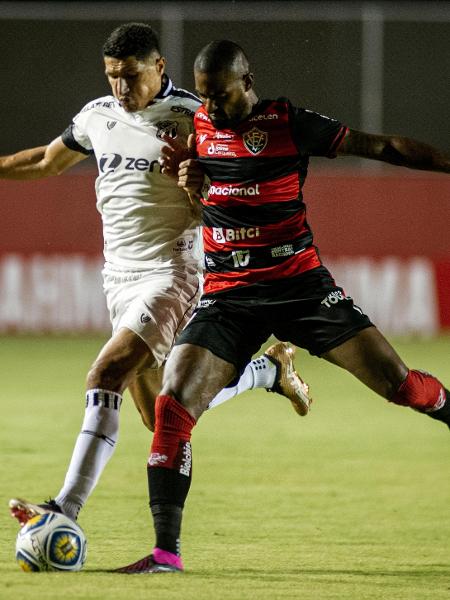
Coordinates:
[155,304]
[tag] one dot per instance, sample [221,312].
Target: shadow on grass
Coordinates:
[429,571]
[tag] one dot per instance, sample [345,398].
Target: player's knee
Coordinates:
[107,375]
[392,375]
[148,421]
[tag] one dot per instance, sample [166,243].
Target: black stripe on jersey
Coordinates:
[256,258]
[166,87]
[71,143]
[184,94]
[253,169]
[251,216]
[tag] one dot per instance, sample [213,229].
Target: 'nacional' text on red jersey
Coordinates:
[255,227]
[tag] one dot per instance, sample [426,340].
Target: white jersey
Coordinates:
[147,219]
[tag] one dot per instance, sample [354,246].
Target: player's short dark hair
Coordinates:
[221,55]
[132,39]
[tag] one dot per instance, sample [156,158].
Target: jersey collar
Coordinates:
[166,87]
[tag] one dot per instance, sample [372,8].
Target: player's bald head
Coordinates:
[222,56]
[224,83]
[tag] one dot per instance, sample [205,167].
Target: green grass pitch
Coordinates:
[350,503]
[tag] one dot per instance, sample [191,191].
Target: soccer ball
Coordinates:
[51,542]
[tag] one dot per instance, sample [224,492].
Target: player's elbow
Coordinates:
[395,151]
[50,169]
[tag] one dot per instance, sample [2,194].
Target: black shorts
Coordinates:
[309,311]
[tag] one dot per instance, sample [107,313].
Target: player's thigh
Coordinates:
[372,359]
[212,350]
[155,306]
[316,314]
[143,389]
[229,330]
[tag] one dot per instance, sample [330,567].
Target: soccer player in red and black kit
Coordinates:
[263,273]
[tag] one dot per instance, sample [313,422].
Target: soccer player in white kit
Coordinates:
[153,258]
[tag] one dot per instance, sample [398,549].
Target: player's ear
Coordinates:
[160,65]
[248,81]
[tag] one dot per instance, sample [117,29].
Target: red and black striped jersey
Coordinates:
[255,226]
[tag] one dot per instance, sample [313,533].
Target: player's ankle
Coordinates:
[264,372]
[167,558]
[442,413]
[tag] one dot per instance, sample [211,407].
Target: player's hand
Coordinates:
[173,153]
[191,177]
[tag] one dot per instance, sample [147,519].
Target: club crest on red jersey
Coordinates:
[255,140]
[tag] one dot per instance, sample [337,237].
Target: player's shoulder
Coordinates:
[183,102]
[102,102]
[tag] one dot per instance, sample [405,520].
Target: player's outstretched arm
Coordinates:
[395,149]
[36,163]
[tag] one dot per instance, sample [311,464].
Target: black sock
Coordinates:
[443,413]
[167,524]
[168,490]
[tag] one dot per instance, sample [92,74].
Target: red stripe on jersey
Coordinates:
[216,239]
[332,153]
[263,134]
[292,266]
[282,189]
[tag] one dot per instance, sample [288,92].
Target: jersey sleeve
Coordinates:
[75,136]
[316,134]
[69,140]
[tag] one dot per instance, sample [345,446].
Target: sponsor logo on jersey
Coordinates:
[249,190]
[168,128]
[219,149]
[222,235]
[264,117]
[334,298]
[219,135]
[255,140]
[99,103]
[202,137]
[183,110]
[202,116]
[284,250]
[184,245]
[209,261]
[110,161]
[206,302]
[145,318]
[111,124]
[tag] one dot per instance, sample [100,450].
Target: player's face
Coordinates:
[134,82]
[226,97]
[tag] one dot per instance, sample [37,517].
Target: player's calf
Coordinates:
[424,393]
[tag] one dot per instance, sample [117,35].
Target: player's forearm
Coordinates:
[413,154]
[27,164]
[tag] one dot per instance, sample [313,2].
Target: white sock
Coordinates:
[259,373]
[93,449]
